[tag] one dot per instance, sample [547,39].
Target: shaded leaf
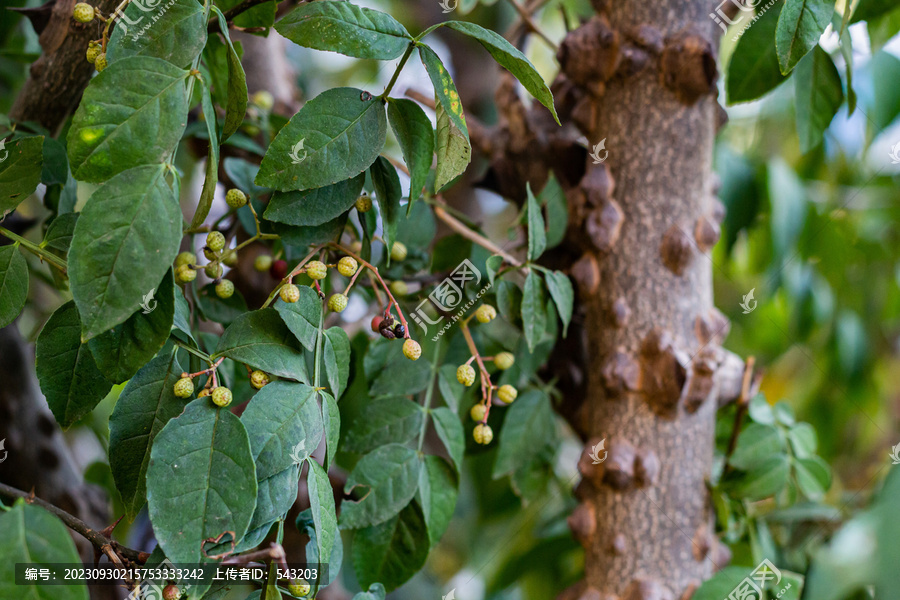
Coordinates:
[68,376]
[130,97]
[450,430]
[416,137]
[261,340]
[207,195]
[142,410]
[316,206]
[560,287]
[454,153]
[236,106]
[764,480]
[438,490]
[13,283]
[534,316]
[753,70]
[818,95]
[387,478]
[302,317]
[335,136]
[331,416]
[20,172]
[321,501]
[756,444]
[175,33]
[392,552]
[529,425]
[346,28]
[201,482]
[388,193]
[800,25]
[537,235]
[124,242]
[337,359]
[384,421]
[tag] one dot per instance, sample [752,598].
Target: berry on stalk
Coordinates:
[337,303]
[184,387]
[235,198]
[316,269]
[290,293]
[485,313]
[258,379]
[504,360]
[224,289]
[398,251]
[483,434]
[83,12]
[465,374]
[221,396]
[507,393]
[263,263]
[477,412]
[215,241]
[411,349]
[347,266]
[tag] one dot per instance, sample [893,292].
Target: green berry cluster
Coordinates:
[83,12]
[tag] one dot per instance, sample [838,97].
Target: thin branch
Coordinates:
[742,402]
[525,15]
[105,544]
[460,228]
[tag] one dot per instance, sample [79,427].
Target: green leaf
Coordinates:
[331,415]
[451,389]
[335,136]
[438,490]
[146,404]
[274,497]
[721,584]
[554,199]
[221,310]
[416,137]
[261,340]
[537,235]
[55,167]
[284,425]
[124,242]
[803,440]
[130,97]
[306,524]
[303,237]
[534,316]
[450,430]
[175,33]
[201,482]
[383,421]
[818,95]
[236,106]
[760,410]
[388,478]
[122,350]
[388,193]
[337,359]
[884,105]
[800,25]
[511,59]
[753,70]
[212,159]
[20,172]
[403,377]
[756,444]
[59,234]
[345,28]
[13,284]
[30,534]
[444,88]
[261,15]
[321,502]
[766,479]
[529,425]
[316,206]
[68,376]
[813,477]
[560,288]
[302,317]
[392,552]
[376,592]
[454,153]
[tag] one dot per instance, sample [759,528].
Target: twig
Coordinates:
[479,239]
[525,15]
[742,402]
[486,386]
[105,544]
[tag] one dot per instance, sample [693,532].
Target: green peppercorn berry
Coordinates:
[185,274]
[184,387]
[263,100]
[235,198]
[465,374]
[347,266]
[290,293]
[504,360]
[477,412]
[258,379]
[507,393]
[185,258]
[299,588]
[229,259]
[83,12]
[224,289]
[215,241]
[399,288]
[485,313]
[213,270]
[316,269]
[483,434]
[210,254]
[262,263]
[100,62]
[221,396]
[93,51]
[398,251]
[364,203]
[337,303]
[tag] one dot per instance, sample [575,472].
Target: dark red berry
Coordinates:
[376,323]
[279,269]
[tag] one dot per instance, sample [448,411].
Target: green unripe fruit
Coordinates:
[185,258]
[504,360]
[398,251]
[356,247]
[100,62]
[483,434]
[316,269]
[298,588]
[399,288]
[485,313]
[363,204]
[477,412]
[83,12]
[262,263]
[224,289]
[507,393]
[215,241]
[213,270]
[221,396]
[93,51]
[235,198]
[210,254]
[204,393]
[347,266]
[263,100]
[337,302]
[290,293]
[184,387]
[230,258]
[185,274]
[412,350]
[465,374]
[258,379]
